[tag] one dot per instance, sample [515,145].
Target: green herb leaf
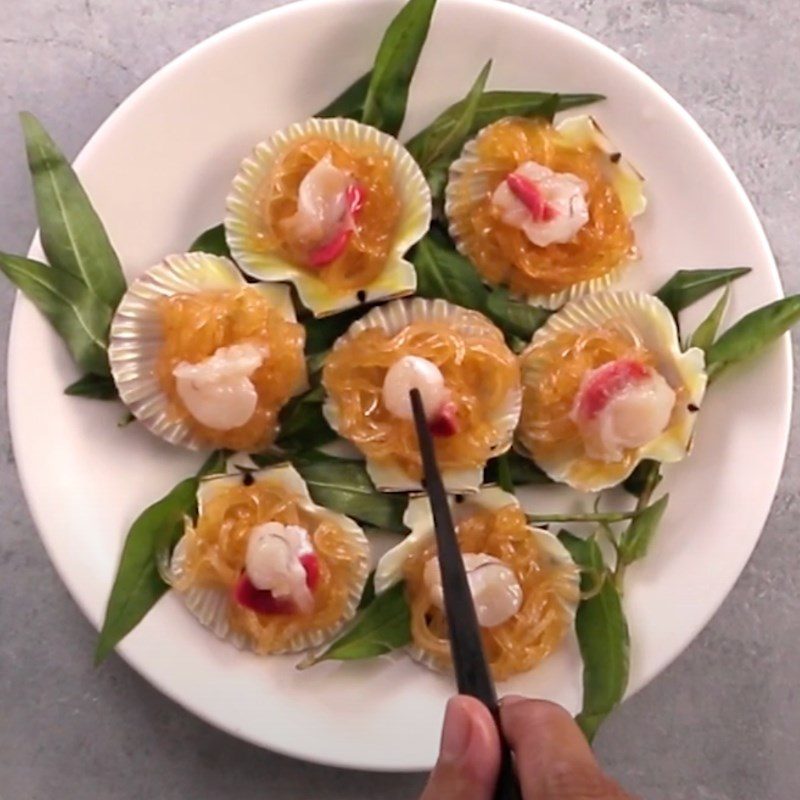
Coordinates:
[350,103]
[644,478]
[504,478]
[213,242]
[515,317]
[636,540]
[603,638]
[395,63]
[343,485]
[443,272]
[522,470]
[302,424]
[73,237]
[322,332]
[752,334]
[493,106]
[435,151]
[706,331]
[75,313]
[384,625]
[137,585]
[687,286]
[368,595]
[95,387]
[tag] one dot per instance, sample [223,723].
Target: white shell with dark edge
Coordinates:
[419,519]
[211,605]
[392,318]
[136,335]
[651,322]
[584,131]
[243,224]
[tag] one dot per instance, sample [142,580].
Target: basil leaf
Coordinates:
[515,317]
[603,638]
[687,286]
[137,585]
[752,334]
[706,331]
[636,539]
[95,387]
[435,151]
[644,478]
[302,424]
[504,478]
[343,485]
[350,103]
[384,625]
[395,63]
[522,470]
[75,313]
[73,237]
[213,242]
[368,595]
[443,272]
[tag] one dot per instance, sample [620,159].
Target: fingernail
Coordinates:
[456,731]
[512,699]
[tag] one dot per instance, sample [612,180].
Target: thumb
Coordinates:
[469,755]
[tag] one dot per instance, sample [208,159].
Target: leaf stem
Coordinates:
[602,517]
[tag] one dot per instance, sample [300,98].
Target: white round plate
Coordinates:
[158,171]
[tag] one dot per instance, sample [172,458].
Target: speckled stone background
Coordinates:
[720,724]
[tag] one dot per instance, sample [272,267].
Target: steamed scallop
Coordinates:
[332,206]
[523,582]
[545,210]
[468,381]
[605,385]
[204,359]
[265,567]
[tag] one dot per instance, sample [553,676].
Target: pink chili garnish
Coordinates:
[330,251]
[446,421]
[607,381]
[262,601]
[323,255]
[527,192]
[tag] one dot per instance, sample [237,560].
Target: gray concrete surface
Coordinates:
[720,724]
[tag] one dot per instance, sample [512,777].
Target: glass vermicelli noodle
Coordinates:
[503,253]
[216,548]
[479,372]
[196,325]
[549,589]
[368,248]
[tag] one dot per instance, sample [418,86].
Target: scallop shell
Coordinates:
[626,181]
[243,226]
[419,519]
[655,326]
[210,605]
[392,318]
[136,334]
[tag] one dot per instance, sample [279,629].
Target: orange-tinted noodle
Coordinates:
[503,253]
[215,557]
[196,325]
[368,248]
[479,372]
[549,587]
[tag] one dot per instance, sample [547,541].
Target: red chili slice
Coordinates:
[354,197]
[262,601]
[446,422]
[606,382]
[527,192]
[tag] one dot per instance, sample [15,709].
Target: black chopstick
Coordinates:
[469,660]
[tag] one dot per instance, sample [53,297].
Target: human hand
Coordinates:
[553,760]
